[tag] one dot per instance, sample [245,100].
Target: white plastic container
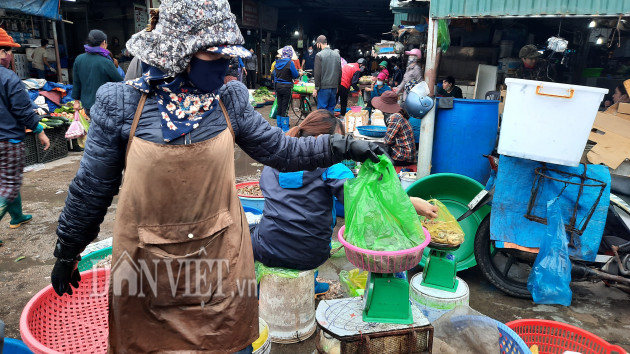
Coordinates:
[407,179]
[288,306]
[434,302]
[547,121]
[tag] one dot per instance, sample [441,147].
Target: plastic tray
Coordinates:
[374,131]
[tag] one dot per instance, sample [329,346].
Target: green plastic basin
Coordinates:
[90,260]
[455,191]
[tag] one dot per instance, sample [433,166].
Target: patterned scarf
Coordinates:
[181,105]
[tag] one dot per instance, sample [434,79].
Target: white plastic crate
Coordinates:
[547,121]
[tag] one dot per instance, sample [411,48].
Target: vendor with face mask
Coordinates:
[308,60]
[412,75]
[173,132]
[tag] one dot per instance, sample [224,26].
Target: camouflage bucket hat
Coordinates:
[529,52]
[185,27]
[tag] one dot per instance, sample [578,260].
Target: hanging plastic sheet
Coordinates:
[45,8]
[513,191]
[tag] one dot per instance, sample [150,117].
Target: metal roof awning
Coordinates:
[528,8]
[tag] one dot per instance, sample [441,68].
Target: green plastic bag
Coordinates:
[361,102]
[274,109]
[353,281]
[262,270]
[444,37]
[379,214]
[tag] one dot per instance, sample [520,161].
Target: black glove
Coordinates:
[64,274]
[347,148]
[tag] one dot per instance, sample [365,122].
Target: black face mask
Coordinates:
[208,75]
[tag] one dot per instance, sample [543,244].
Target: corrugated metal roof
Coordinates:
[525,8]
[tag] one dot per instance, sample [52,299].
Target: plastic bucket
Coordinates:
[250,201]
[547,121]
[15,346]
[433,303]
[407,179]
[288,306]
[262,345]
[253,211]
[463,135]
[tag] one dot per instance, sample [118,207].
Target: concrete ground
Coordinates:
[595,308]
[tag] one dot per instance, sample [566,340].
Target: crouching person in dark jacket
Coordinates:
[16,114]
[299,216]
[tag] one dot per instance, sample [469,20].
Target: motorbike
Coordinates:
[508,269]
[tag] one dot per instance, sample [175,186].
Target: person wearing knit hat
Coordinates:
[182,275]
[16,115]
[413,73]
[383,67]
[91,70]
[283,75]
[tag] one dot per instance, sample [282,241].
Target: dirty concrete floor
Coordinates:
[595,308]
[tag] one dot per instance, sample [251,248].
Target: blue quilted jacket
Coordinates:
[100,173]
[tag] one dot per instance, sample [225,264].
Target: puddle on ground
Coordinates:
[10,265]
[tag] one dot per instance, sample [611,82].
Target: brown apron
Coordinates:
[182,267]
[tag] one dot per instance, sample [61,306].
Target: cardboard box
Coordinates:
[611,134]
[624,108]
[352,120]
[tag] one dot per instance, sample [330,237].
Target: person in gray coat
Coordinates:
[251,66]
[327,75]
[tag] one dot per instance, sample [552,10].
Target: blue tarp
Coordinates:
[45,8]
[512,193]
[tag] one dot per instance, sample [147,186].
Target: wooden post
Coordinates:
[427,125]
[56,43]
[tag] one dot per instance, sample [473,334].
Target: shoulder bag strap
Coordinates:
[227,118]
[134,125]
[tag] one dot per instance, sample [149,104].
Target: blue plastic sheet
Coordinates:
[512,193]
[550,277]
[45,8]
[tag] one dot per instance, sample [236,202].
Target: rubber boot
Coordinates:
[320,288]
[278,121]
[285,124]
[3,207]
[15,210]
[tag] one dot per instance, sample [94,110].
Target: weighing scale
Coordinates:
[441,268]
[386,298]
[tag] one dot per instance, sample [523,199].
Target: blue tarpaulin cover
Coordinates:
[44,8]
[512,193]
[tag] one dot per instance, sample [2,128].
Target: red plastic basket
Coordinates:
[553,337]
[69,324]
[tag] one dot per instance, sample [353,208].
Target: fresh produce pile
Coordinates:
[252,190]
[366,80]
[61,116]
[262,95]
